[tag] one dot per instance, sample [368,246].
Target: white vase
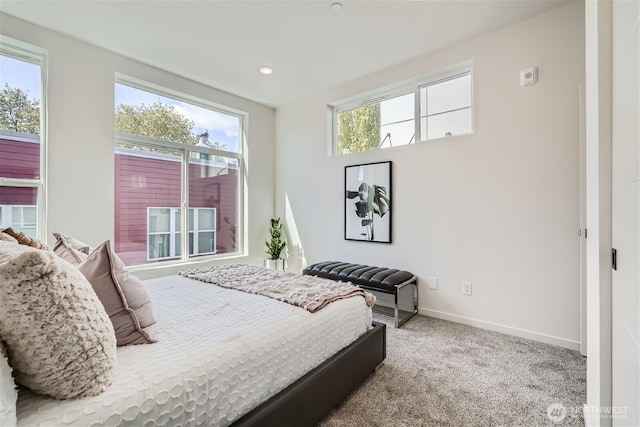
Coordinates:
[274,264]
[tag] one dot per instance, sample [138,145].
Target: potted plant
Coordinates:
[275,246]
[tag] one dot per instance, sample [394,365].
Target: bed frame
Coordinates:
[307,401]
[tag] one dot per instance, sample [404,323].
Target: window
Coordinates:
[20,218]
[173,156]
[164,239]
[24,218]
[392,117]
[445,107]
[21,138]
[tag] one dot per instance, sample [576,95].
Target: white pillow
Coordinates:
[8,393]
[59,338]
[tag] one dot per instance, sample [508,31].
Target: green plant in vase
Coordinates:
[275,246]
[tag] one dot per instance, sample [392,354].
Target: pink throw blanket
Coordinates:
[309,292]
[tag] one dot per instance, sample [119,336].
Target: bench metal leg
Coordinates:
[400,317]
[397,319]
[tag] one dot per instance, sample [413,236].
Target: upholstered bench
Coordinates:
[401,284]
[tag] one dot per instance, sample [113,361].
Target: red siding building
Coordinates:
[147,185]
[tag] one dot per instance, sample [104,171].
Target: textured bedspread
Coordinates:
[309,292]
[219,354]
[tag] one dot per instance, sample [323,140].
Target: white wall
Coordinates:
[80,136]
[499,208]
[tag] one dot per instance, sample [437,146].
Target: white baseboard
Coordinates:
[589,419]
[523,333]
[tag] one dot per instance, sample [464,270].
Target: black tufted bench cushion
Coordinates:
[380,279]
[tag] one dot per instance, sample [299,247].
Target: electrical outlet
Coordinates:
[433,282]
[466,288]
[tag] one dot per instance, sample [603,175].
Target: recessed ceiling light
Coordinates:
[336,7]
[266,70]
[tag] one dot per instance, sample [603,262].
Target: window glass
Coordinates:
[389,119]
[206,242]
[147,184]
[206,218]
[159,220]
[150,174]
[159,246]
[383,124]
[164,240]
[448,95]
[213,189]
[143,113]
[397,116]
[358,129]
[446,108]
[19,155]
[24,218]
[449,124]
[18,209]
[20,140]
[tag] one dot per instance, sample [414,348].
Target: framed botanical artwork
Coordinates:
[367,203]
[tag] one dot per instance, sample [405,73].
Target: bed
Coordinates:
[225,357]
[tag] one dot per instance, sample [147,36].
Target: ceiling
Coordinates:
[311,48]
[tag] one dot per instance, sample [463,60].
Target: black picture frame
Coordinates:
[367,204]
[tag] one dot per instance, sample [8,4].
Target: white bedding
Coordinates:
[220,353]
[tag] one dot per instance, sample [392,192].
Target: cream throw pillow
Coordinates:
[71,249]
[8,392]
[59,338]
[123,296]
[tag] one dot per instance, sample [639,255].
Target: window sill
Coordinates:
[165,268]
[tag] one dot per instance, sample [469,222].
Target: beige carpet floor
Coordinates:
[440,373]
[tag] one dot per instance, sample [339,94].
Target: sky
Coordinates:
[222,128]
[20,74]
[451,97]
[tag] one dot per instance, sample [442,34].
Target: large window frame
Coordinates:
[29,53]
[413,86]
[187,158]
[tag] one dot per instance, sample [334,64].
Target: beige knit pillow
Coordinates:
[59,338]
[123,296]
[8,392]
[23,239]
[7,237]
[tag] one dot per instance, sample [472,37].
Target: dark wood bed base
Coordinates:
[312,397]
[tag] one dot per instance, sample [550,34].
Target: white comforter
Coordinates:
[220,353]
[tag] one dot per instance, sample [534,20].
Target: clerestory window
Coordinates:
[437,105]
